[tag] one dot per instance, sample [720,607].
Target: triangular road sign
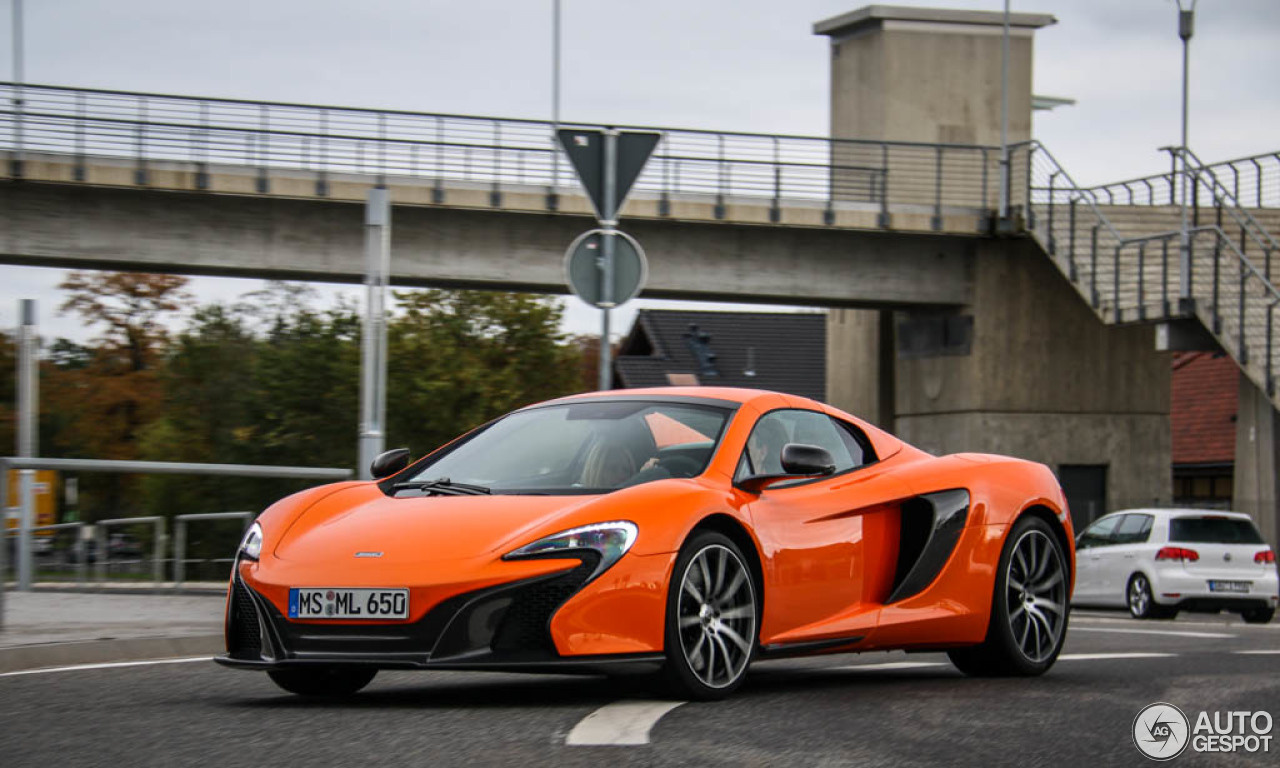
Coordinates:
[586,151]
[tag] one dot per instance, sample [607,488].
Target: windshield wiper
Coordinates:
[443,486]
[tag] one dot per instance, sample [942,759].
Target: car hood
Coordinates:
[417,529]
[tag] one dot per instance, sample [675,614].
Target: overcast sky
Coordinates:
[741,65]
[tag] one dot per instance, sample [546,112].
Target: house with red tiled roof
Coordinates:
[1205,390]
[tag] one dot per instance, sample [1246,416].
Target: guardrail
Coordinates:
[131,467]
[180,539]
[157,543]
[321,141]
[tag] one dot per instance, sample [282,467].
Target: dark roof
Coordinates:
[1205,390]
[786,352]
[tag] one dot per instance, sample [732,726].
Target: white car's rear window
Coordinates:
[1213,530]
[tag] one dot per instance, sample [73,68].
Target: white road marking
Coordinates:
[111,665]
[622,722]
[1268,652]
[1077,616]
[1103,656]
[1169,632]
[896,665]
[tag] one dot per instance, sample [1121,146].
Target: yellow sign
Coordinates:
[44,488]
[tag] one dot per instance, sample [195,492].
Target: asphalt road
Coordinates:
[865,710]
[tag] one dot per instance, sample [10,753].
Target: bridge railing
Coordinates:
[1253,181]
[498,154]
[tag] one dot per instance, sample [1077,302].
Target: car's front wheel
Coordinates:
[323,681]
[712,618]
[1029,608]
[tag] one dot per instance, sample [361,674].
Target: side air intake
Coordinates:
[931,526]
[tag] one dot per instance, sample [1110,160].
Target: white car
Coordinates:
[1161,561]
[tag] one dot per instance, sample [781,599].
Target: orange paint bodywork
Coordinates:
[827,549]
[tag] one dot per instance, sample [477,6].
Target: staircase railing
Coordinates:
[1141,279]
[1232,186]
[1225,199]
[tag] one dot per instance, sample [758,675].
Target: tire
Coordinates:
[1142,603]
[1258,615]
[1028,615]
[711,635]
[323,681]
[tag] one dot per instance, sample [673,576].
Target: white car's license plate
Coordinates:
[1229,586]
[343,603]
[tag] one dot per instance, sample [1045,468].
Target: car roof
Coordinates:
[1179,511]
[737,395]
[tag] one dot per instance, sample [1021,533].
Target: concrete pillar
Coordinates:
[862,341]
[1256,481]
[923,75]
[1043,379]
[928,74]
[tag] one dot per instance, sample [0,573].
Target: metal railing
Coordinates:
[157,544]
[180,524]
[1253,236]
[142,468]
[77,554]
[1140,279]
[1254,181]
[266,139]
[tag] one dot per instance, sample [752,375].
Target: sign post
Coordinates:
[607,162]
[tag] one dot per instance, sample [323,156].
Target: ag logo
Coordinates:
[1161,731]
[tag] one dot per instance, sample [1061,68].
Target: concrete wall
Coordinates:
[864,387]
[1045,380]
[928,76]
[1256,481]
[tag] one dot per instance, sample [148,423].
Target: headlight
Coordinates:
[251,544]
[611,540]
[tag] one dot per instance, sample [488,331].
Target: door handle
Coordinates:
[1129,556]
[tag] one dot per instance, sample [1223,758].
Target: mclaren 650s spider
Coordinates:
[681,532]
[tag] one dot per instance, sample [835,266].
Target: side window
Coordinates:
[1100,533]
[1133,529]
[763,455]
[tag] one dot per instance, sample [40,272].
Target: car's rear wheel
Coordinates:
[1029,608]
[323,681]
[1142,603]
[712,618]
[1258,615]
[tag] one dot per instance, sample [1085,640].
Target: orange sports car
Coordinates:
[682,532]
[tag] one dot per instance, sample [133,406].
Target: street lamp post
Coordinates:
[1186,27]
[18,76]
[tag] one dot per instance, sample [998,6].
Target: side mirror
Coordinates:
[798,460]
[389,463]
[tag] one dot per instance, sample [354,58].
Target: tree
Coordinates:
[108,399]
[460,358]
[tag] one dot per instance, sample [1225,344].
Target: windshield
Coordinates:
[1213,530]
[585,447]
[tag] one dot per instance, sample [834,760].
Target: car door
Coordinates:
[1090,550]
[1120,559]
[823,540]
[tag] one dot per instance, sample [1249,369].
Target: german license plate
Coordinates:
[342,603]
[1229,586]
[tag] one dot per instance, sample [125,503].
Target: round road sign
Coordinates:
[584,267]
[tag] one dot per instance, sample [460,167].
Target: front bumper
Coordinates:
[505,627]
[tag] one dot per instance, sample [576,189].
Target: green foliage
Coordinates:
[272,380]
[460,358]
